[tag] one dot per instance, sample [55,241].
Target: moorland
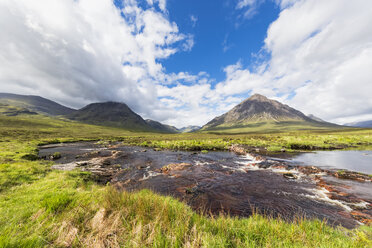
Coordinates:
[41,207]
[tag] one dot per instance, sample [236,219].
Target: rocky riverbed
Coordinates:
[235,182]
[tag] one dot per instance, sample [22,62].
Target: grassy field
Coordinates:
[40,207]
[291,141]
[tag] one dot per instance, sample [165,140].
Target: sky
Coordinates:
[183,62]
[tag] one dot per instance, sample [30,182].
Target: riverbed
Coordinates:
[216,182]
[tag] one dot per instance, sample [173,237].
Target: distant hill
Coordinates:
[104,114]
[110,114]
[260,113]
[189,129]
[366,124]
[35,104]
[162,127]
[313,117]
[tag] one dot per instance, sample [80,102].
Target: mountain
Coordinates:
[113,114]
[366,124]
[105,114]
[313,117]
[162,127]
[189,129]
[260,112]
[35,104]
[117,114]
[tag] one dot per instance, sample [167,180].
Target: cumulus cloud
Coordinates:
[78,52]
[320,59]
[320,55]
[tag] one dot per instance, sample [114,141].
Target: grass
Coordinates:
[291,141]
[270,127]
[40,207]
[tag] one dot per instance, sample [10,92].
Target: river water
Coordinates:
[218,182]
[360,161]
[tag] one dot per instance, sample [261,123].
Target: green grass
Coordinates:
[295,140]
[40,207]
[269,127]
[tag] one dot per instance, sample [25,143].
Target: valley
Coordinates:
[66,181]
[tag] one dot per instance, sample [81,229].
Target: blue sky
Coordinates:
[183,62]
[222,37]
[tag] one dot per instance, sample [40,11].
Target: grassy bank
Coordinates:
[44,208]
[291,141]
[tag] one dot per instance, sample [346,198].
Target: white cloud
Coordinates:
[249,7]
[161,3]
[321,51]
[193,20]
[77,52]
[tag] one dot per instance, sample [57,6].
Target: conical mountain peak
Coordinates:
[258,97]
[257,108]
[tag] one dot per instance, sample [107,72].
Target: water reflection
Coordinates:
[360,161]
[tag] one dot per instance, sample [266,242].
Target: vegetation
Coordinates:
[41,207]
[270,127]
[295,140]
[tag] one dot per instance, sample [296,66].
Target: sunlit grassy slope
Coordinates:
[271,127]
[44,208]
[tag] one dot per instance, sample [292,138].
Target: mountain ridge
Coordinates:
[260,109]
[162,127]
[105,113]
[35,103]
[110,113]
[363,124]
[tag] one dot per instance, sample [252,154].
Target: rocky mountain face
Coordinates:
[259,108]
[162,127]
[36,104]
[110,114]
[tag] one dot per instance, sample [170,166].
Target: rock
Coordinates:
[351,175]
[362,217]
[194,190]
[289,176]
[264,165]
[173,167]
[237,150]
[129,181]
[310,170]
[55,156]
[191,190]
[283,150]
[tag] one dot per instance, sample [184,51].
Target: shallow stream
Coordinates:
[222,181]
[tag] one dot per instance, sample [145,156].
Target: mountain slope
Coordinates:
[110,114]
[367,124]
[189,129]
[35,103]
[315,118]
[162,127]
[259,111]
